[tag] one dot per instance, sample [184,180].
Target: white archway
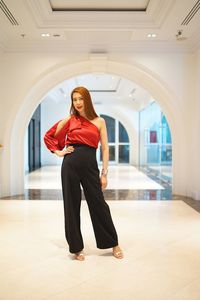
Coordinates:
[14,137]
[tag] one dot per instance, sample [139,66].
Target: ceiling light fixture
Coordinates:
[45,34]
[179,35]
[151,35]
[63,92]
[132,92]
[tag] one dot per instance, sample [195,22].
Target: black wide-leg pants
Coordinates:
[80,168]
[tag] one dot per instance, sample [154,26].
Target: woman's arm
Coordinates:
[105,152]
[55,137]
[60,125]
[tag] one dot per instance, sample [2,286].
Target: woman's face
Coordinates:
[78,102]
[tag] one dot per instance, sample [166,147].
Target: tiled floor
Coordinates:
[160,239]
[124,183]
[161,243]
[119,177]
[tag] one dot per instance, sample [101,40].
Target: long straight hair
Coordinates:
[88,106]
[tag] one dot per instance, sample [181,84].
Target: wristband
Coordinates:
[104,172]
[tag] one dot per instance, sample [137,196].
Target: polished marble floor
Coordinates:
[119,177]
[160,239]
[125,182]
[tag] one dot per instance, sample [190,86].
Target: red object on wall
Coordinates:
[153,136]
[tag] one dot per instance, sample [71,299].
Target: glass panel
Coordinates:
[166,154]
[153,154]
[166,134]
[123,153]
[111,153]
[123,136]
[155,137]
[110,124]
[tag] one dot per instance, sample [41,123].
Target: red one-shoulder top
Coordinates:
[77,130]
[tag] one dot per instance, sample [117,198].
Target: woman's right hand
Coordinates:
[62,153]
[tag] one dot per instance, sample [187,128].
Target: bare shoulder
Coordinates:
[67,119]
[100,122]
[61,124]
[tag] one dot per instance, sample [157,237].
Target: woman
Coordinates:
[81,133]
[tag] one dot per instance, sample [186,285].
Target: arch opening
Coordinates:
[48,81]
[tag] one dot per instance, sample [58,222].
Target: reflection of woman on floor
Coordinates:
[81,133]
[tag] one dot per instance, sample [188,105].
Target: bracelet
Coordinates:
[104,172]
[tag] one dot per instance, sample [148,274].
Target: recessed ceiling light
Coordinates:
[45,34]
[151,35]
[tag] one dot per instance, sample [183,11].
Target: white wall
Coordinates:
[168,77]
[2,151]
[193,126]
[172,67]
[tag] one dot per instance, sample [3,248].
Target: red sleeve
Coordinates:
[57,142]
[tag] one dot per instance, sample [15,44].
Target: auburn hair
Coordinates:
[88,106]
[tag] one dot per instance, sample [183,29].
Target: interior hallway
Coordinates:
[131,55]
[119,177]
[125,182]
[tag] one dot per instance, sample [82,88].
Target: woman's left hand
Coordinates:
[104,182]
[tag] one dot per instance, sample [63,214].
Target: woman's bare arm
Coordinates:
[61,124]
[105,152]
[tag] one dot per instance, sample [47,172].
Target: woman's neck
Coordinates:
[82,114]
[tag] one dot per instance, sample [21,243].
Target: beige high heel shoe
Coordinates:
[79,256]
[117,252]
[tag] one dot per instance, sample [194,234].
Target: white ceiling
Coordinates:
[123,27]
[100,26]
[105,89]
[99,5]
